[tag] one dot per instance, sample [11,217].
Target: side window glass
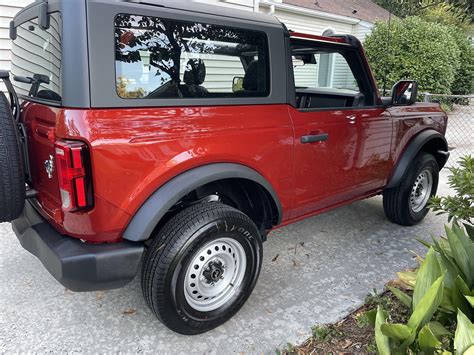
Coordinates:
[36,54]
[324,70]
[163,58]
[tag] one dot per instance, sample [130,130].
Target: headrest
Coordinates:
[251,77]
[195,72]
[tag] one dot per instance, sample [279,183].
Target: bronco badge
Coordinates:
[49,166]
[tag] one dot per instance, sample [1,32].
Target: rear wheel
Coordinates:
[201,267]
[12,181]
[407,204]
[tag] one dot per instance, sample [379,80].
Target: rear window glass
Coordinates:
[163,58]
[36,56]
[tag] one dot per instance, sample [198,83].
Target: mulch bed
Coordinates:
[353,334]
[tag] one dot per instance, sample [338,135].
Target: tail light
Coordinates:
[75,181]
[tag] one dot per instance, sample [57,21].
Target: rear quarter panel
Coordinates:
[135,151]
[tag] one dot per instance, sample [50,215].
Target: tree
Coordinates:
[418,50]
[462,9]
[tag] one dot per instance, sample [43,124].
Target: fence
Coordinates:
[460,133]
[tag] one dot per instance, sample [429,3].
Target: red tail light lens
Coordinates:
[75,182]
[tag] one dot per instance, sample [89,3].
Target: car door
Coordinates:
[342,140]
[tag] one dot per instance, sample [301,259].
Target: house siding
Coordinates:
[8,9]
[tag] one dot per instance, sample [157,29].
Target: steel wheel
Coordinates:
[421,190]
[215,274]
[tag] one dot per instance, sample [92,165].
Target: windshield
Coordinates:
[36,59]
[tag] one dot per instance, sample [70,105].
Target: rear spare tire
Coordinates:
[12,180]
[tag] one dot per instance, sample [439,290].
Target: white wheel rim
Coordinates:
[215,274]
[421,191]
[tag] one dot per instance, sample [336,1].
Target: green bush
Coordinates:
[464,79]
[461,205]
[414,49]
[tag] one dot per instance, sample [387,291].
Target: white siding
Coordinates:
[362,29]
[308,24]
[8,9]
[236,4]
[38,52]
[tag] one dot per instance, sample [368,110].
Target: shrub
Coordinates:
[419,50]
[463,83]
[461,205]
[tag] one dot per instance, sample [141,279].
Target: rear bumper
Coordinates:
[78,266]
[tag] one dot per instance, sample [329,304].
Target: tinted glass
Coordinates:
[162,58]
[36,54]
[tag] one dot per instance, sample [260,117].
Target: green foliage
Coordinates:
[443,287]
[464,79]
[463,10]
[461,205]
[464,338]
[323,332]
[415,49]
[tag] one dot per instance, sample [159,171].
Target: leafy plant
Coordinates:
[443,288]
[423,51]
[461,205]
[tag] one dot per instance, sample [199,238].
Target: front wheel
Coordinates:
[201,267]
[407,204]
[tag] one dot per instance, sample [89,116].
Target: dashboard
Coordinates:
[313,98]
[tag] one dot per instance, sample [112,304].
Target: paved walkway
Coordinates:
[315,271]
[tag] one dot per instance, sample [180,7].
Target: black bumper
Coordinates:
[78,266]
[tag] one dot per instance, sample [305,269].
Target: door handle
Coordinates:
[314,138]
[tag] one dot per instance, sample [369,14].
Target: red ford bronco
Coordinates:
[175,136]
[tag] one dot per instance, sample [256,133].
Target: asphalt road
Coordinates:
[315,271]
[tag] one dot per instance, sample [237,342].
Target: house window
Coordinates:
[163,58]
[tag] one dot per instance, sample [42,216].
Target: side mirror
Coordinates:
[237,84]
[404,92]
[297,62]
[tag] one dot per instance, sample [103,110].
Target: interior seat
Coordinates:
[194,76]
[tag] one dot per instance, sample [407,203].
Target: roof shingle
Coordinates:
[361,9]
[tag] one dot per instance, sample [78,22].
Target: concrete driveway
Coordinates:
[315,271]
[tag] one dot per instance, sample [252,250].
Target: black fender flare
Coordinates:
[414,147]
[159,203]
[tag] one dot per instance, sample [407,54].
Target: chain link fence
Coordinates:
[460,132]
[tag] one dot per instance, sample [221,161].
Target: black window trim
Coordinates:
[371,90]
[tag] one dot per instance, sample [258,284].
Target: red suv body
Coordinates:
[295,128]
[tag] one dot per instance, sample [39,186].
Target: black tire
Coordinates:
[12,180]
[168,260]
[397,201]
